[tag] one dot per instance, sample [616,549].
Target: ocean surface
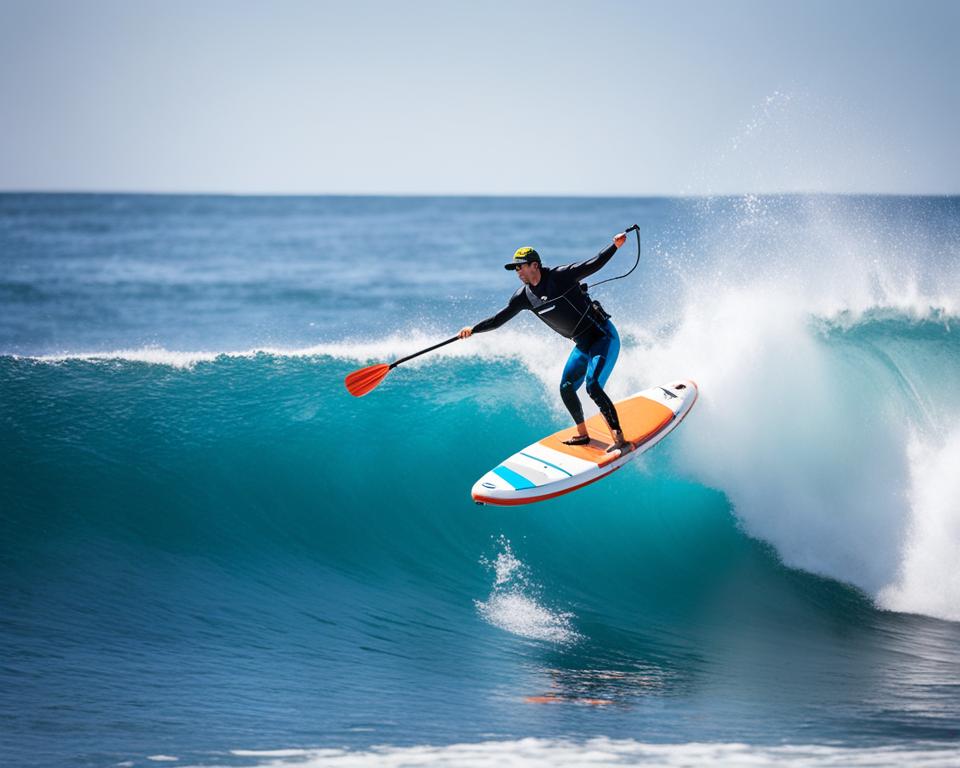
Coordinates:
[212,555]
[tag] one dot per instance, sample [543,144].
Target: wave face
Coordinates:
[210,551]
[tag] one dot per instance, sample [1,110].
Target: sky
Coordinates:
[518,97]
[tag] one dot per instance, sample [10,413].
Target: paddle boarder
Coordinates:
[557,297]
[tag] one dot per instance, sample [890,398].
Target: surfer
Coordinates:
[557,297]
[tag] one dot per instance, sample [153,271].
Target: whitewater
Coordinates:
[212,555]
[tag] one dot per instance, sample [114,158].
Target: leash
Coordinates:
[634,228]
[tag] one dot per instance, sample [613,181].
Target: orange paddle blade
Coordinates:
[363,381]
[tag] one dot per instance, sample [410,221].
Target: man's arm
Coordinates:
[586,268]
[517,302]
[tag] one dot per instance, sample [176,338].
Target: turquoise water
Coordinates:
[209,551]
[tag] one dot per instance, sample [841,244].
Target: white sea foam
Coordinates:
[297,753]
[929,579]
[184,359]
[152,355]
[807,463]
[514,605]
[551,753]
[506,344]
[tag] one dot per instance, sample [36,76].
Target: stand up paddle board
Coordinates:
[549,468]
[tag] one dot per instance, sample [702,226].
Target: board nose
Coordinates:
[490,484]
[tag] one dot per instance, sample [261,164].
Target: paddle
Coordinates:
[367,379]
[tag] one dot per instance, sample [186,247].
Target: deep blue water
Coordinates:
[207,546]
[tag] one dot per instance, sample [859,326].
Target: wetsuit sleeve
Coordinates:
[517,302]
[582,269]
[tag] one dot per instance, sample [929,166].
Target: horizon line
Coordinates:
[466,195]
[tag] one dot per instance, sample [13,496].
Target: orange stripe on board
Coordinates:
[640,418]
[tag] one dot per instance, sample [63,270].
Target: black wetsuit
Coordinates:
[560,302]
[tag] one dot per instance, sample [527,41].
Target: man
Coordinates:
[557,297]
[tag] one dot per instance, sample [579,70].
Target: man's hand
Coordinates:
[466,332]
[620,239]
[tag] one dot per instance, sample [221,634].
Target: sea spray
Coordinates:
[516,605]
[928,580]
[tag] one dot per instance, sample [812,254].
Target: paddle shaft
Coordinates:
[395,363]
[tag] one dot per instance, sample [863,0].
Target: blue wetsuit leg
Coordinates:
[603,354]
[592,361]
[574,372]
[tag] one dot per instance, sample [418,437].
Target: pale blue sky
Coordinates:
[524,97]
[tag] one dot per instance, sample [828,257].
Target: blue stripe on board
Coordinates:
[519,482]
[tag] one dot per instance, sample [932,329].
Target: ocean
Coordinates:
[212,555]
